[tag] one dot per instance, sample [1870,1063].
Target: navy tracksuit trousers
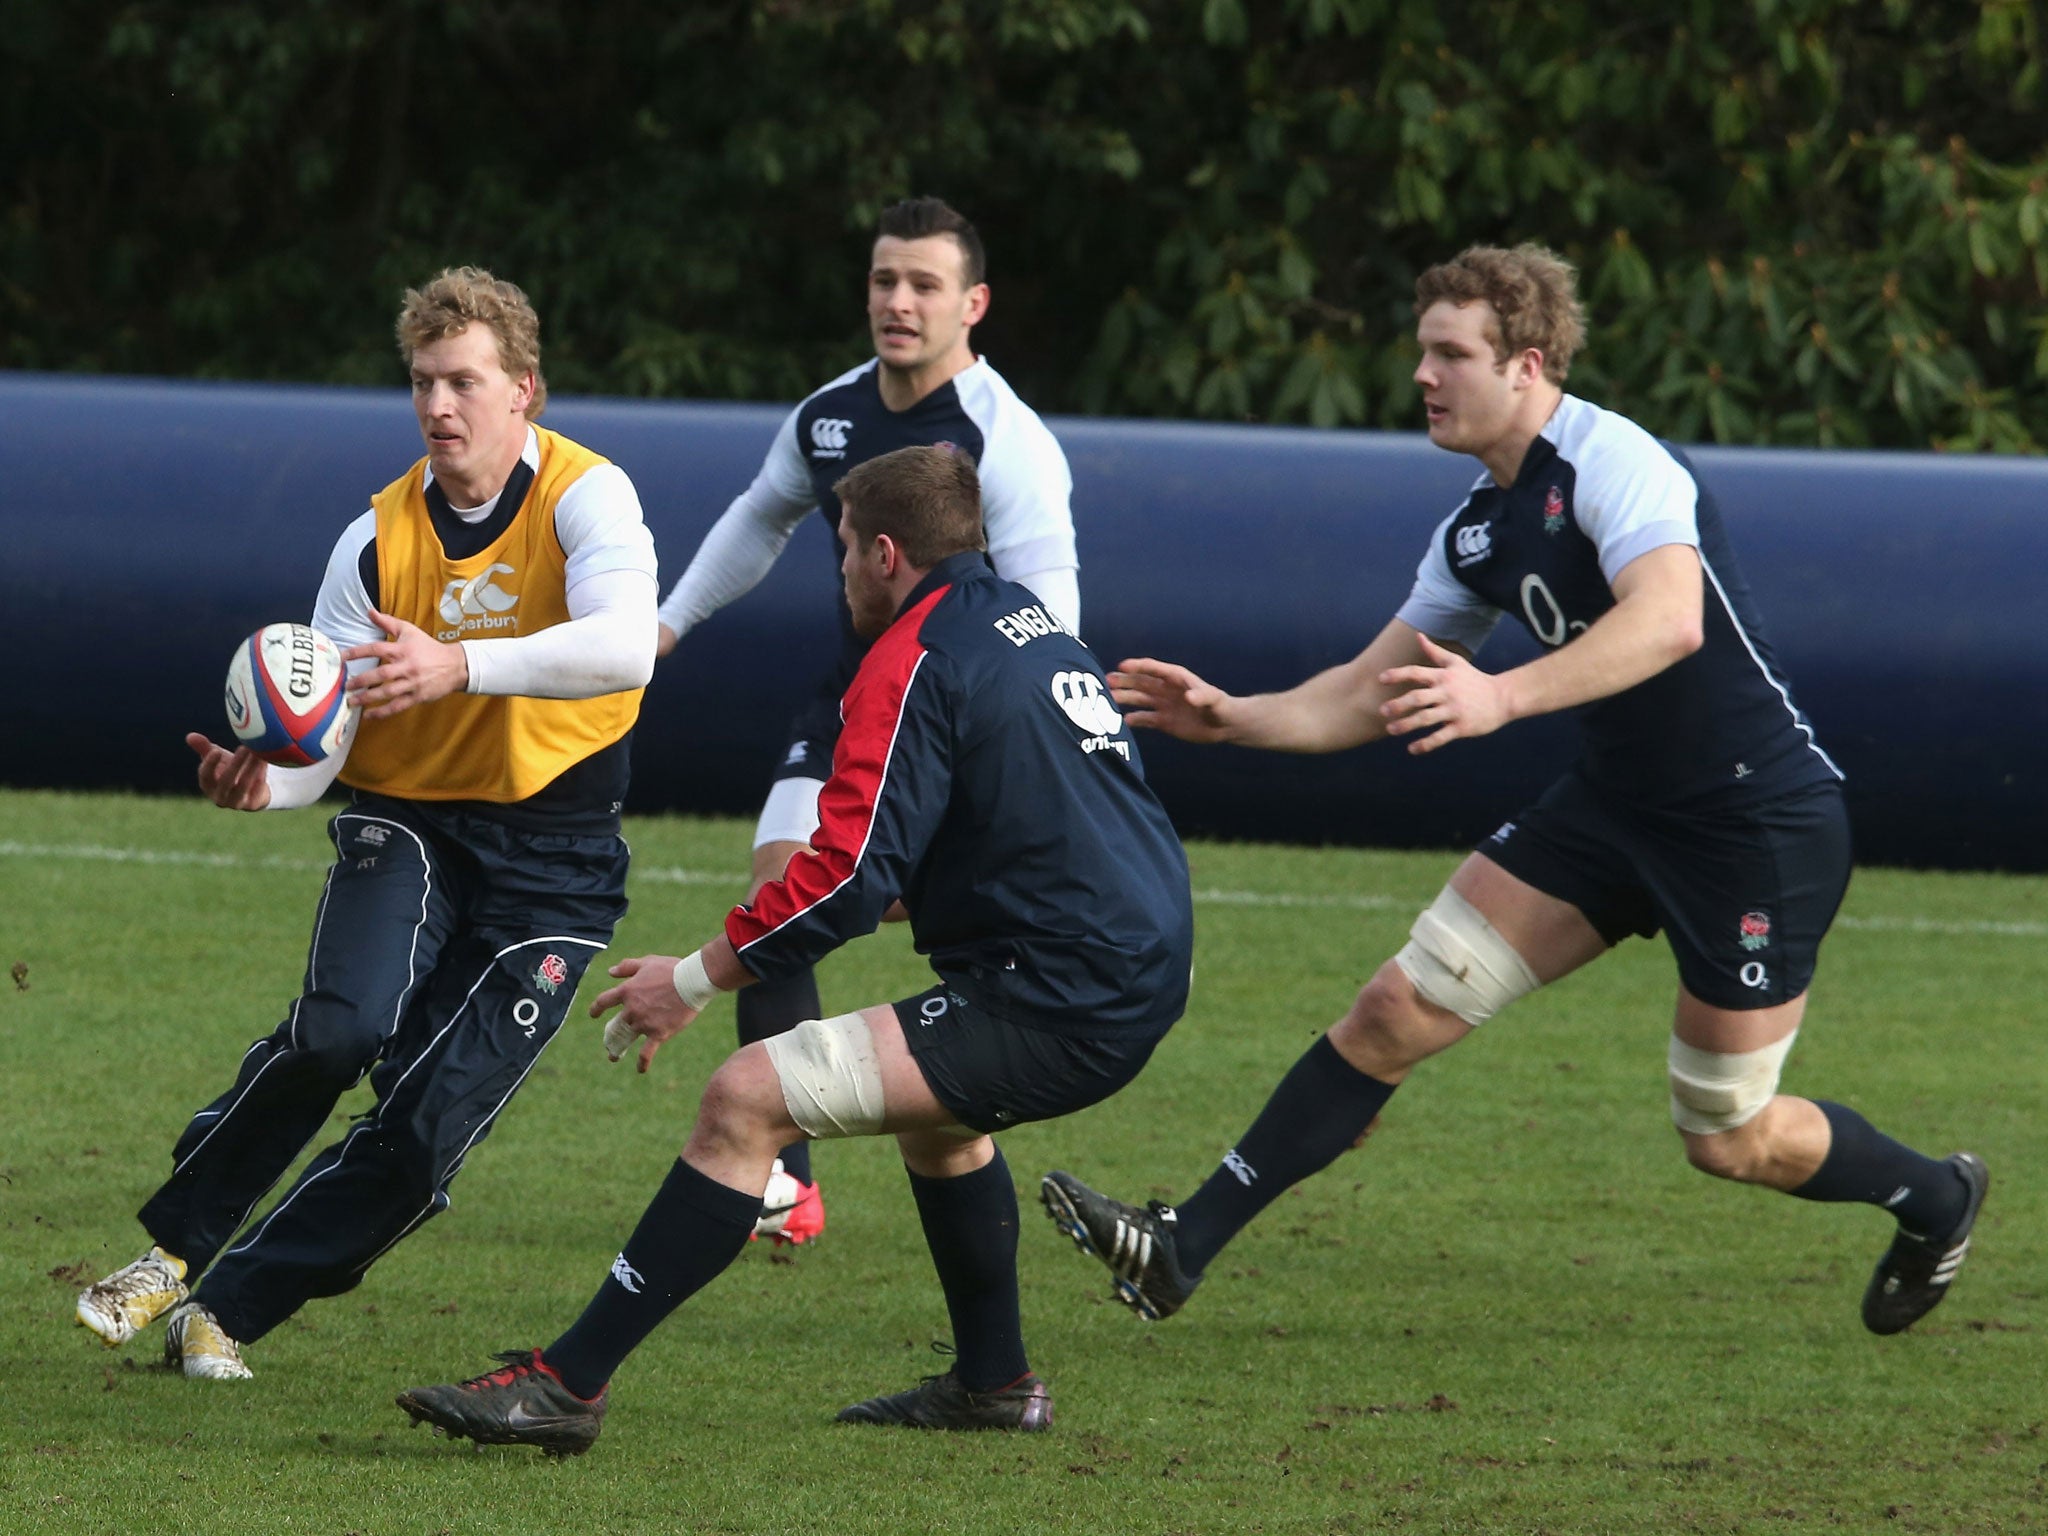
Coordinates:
[446,952]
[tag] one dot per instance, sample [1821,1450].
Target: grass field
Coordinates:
[1515,1311]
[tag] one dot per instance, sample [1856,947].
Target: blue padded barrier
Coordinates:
[150,525]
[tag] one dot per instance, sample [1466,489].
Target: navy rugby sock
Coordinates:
[970,1225]
[692,1230]
[1317,1112]
[770,1008]
[1863,1164]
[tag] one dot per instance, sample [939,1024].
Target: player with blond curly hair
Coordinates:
[497,609]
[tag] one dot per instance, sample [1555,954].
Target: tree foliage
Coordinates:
[1798,221]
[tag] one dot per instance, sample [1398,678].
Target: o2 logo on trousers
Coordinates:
[526,1014]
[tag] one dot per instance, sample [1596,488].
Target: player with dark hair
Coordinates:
[985,779]
[927,289]
[1702,805]
[496,609]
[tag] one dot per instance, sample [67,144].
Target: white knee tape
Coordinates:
[1715,1091]
[831,1077]
[1459,961]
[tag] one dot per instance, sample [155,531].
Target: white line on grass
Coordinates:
[670,874]
[1216,898]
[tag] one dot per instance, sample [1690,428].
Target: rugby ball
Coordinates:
[286,696]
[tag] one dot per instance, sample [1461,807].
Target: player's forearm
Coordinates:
[723,967]
[1331,712]
[1629,644]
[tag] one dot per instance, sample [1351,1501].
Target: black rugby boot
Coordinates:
[522,1403]
[1137,1245]
[940,1402]
[1915,1272]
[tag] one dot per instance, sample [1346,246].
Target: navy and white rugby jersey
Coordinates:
[985,777]
[1025,490]
[1594,492]
[1025,483]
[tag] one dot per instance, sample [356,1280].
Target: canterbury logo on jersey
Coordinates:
[828,437]
[478,603]
[1080,695]
[1474,543]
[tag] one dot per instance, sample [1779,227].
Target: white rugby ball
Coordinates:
[286,696]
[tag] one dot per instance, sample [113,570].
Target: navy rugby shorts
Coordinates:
[993,1074]
[1744,896]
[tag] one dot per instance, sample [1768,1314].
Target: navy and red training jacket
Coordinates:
[985,777]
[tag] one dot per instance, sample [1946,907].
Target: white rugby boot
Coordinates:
[132,1297]
[195,1343]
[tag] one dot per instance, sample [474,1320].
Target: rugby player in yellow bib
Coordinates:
[496,606]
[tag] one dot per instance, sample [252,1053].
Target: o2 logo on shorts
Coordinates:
[1756,975]
[934,1008]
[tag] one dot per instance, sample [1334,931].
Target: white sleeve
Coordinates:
[607,645]
[1443,607]
[743,544]
[1632,496]
[599,524]
[342,610]
[1026,487]
[1059,589]
[293,789]
[342,613]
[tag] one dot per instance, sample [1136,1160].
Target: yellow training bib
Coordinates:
[475,746]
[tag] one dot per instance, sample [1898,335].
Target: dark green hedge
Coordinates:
[1799,221]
